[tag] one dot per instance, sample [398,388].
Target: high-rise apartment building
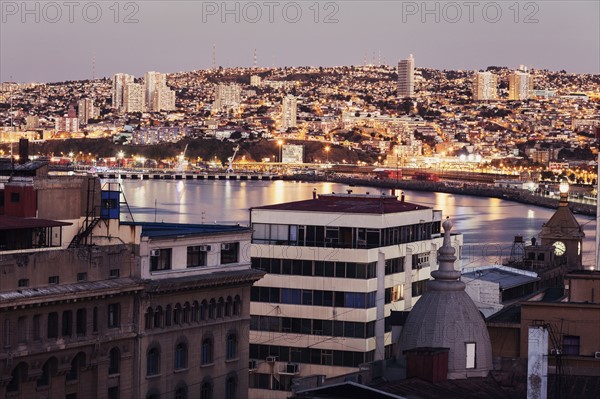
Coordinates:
[484,86]
[406,77]
[337,265]
[85,110]
[157,95]
[520,85]
[120,81]
[255,80]
[66,124]
[227,98]
[133,98]
[288,112]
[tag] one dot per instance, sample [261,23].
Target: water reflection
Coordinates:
[488,224]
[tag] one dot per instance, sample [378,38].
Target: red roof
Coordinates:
[8,222]
[348,203]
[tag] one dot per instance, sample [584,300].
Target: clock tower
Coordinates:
[564,233]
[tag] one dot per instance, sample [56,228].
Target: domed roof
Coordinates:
[446,317]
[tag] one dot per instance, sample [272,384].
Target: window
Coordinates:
[22,329]
[95,319]
[37,323]
[81,322]
[82,276]
[67,323]
[237,306]
[77,362]
[168,315]
[180,356]
[158,317]
[160,259]
[114,273]
[177,314]
[220,306]
[114,360]
[230,387]
[206,390]
[24,282]
[18,374]
[113,393]
[228,306]
[48,370]
[419,287]
[206,355]
[203,309]
[420,261]
[571,345]
[470,352]
[149,318]
[153,361]
[53,280]
[186,312]
[211,308]
[7,333]
[114,315]
[181,392]
[52,325]
[196,256]
[229,252]
[195,311]
[231,346]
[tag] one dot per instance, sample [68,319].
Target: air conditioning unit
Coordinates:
[155,252]
[271,359]
[597,355]
[291,368]
[555,352]
[225,247]
[205,248]
[252,364]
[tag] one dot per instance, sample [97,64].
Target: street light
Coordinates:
[120,156]
[327,148]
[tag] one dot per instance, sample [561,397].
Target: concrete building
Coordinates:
[66,124]
[255,81]
[520,85]
[485,86]
[157,95]
[406,78]
[227,98]
[32,122]
[133,98]
[85,111]
[337,265]
[91,307]
[288,112]
[120,81]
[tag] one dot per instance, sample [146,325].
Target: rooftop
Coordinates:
[8,222]
[160,230]
[348,203]
[504,278]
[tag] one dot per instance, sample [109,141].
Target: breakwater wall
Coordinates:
[476,190]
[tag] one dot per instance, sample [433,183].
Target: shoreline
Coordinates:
[475,190]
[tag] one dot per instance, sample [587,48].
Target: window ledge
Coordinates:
[232,360]
[207,365]
[153,376]
[181,370]
[114,375]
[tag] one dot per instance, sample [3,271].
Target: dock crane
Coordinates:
[232,158]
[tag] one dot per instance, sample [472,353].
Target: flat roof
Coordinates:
[8,222]
[156,230]
[504,278]
[348,203]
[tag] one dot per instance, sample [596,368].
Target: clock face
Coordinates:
[559,248]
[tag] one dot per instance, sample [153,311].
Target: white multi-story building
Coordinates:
[255,80]
[120,81]
[157,95]
[66,124]
[520,85]
[288,112]
[227,98]
[85,110]
[337,265]
[406,77]
[484,86]
[133,98]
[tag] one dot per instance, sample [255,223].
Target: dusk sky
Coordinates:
[179,35]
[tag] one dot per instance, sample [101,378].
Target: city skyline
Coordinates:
[188,31]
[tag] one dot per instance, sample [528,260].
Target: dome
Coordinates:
[446,317]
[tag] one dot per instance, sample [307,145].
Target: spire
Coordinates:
[446,278]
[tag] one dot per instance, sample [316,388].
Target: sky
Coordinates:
[49,41]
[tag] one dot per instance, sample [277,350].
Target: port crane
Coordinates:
[232,158]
